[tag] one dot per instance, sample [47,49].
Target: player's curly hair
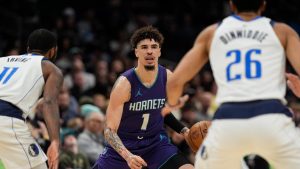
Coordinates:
[147,32]
[41,40]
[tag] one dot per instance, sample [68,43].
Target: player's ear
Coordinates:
[135,52]
[51,54]
[232,6]
[159,53]
[263,6]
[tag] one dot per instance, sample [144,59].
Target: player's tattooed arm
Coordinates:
[114,140]
[119,95]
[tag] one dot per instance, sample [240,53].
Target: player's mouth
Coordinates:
[149,59]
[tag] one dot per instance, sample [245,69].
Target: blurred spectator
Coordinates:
[100,101]
[101,72]
[117,66]
[13,51]
[190,115]
[91,140]
[79,80]
[88,108]
[76,125]
[207,80]
[68,105]
[70,158]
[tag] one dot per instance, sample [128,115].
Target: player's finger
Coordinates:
[142,162]
[292,77]
[182,100]
[50,164]
[55,164]
[136,165]
[185,98]
[290,84]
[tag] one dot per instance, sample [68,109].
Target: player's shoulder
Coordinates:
[122,83]
[121,89]
[210,30]
[207,33]
[48,67]
[284,32]
[283,28]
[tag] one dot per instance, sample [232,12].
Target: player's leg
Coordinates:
[18,148]
[110,159]
[208,159]
[224,147]
[165,155]
[284,150]
[41,166]
[177,161]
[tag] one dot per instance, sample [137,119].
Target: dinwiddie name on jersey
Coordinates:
[238,34]
[17,59]
[150,104]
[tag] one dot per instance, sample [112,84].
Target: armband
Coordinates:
[173,123]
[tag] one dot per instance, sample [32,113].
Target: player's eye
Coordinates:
[154,46]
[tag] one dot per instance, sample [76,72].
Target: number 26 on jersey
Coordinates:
[251,68]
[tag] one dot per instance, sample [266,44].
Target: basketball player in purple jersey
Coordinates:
[135,127]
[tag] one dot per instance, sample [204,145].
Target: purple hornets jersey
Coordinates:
[142,113]
[142,126]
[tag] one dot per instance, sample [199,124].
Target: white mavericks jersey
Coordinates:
[248,61]
[21,80]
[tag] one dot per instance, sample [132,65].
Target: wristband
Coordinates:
[173,106]
[173,123]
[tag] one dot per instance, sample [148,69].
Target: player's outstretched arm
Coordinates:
[53,82]
[119,95]
[291,44]
[191,63]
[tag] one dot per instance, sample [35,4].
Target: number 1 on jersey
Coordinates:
[145,121]
[5,71]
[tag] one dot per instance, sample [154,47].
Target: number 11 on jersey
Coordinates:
[10,74]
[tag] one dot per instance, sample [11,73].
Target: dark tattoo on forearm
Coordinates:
[114,140]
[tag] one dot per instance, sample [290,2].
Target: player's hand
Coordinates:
[167,109]
[186,134]
[293,83]
[135,162]
[53,155]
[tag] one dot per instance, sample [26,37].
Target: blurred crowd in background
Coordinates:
[94,49]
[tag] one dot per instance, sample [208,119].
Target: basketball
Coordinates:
[197,134]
